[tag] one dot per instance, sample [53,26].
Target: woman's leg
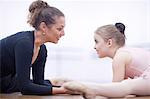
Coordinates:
[137,86]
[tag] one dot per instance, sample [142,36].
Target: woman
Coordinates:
[131,66]
[26,49]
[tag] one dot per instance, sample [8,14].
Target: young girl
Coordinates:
[131,66]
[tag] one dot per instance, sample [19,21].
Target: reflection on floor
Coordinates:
[20,96]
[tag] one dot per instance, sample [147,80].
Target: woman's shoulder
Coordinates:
[23,35]
[19,36]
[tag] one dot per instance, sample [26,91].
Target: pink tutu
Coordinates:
[146,73]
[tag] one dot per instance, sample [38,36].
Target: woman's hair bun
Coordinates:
[38,4]
[120,27]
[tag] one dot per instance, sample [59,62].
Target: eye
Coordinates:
[59,29]
[96,41]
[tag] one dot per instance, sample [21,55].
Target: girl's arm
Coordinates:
[119,62]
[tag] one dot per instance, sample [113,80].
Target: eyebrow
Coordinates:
[61,26]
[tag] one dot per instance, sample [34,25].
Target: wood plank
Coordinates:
[61,96]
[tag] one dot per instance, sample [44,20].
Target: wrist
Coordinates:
[58,90]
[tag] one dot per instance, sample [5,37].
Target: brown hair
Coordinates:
[111,31]
[40,11]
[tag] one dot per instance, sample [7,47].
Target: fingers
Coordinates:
[74,92]
[63,79]
[75,86]
[69,86]
[59,81]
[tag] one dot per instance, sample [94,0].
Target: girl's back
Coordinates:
[140,61]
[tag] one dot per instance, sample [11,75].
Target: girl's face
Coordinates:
[100,46]
[55,31]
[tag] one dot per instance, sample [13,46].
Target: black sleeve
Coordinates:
[39,66]
[23,58]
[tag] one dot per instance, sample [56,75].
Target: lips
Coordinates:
[97,51]
[57,38]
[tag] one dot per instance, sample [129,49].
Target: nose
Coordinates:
[62,33]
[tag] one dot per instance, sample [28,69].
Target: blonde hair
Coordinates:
[111,31]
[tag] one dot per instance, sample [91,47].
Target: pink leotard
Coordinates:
[140,63]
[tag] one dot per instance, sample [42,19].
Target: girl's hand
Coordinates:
[59,81]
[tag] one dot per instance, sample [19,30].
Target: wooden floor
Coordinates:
[20,96]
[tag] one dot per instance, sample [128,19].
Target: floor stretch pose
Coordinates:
[131,66]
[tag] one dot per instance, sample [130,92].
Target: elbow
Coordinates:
[119,79]
[25,89]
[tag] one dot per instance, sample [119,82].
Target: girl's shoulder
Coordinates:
[134,51]
[122,54]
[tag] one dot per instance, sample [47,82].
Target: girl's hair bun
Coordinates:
[120,27]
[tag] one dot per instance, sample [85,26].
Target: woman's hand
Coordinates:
[62,90]
[82,89]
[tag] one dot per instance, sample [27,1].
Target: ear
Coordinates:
[109,42]
[43,26]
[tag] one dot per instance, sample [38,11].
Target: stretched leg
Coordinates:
[137,86]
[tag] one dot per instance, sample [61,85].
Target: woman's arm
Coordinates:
[38,67]
[59,90]
[23,58]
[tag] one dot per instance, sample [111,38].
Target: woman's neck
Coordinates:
[39,40]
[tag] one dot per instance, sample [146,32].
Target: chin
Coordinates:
[55,42]
[100,56]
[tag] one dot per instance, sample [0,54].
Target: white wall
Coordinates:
[74,56]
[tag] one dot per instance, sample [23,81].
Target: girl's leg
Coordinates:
[140,86]
[137,86]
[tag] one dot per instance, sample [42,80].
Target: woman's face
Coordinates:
[55,31]
[100,46]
